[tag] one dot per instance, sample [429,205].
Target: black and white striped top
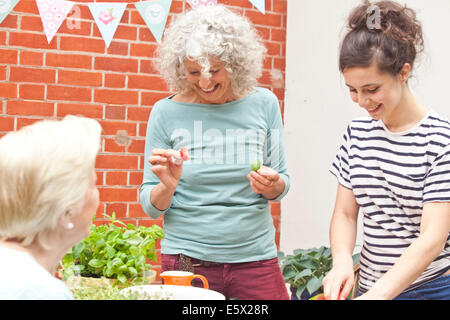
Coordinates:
[392,176]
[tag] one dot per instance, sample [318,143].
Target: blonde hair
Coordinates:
[44,172]
[211,32]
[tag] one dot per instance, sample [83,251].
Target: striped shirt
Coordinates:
[392,176]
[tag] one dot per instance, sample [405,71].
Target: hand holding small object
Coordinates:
[167,165]
[184,156]
[265,181]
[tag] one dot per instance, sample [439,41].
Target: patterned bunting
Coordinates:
[155,15]
[53,13]
[197,3]
[107,16]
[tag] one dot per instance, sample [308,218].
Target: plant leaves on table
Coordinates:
[314,284]
[117,250]
[306,268]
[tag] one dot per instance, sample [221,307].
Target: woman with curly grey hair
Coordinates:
[199,146]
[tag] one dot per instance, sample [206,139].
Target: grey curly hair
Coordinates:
[211,32]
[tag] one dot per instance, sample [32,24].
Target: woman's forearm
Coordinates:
[411,264]
[343,227]
[161,197]
[342,238]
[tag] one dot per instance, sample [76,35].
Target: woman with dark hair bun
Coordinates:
[393,166]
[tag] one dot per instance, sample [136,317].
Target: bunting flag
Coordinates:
[107,16]
[260,5]
[155,15]
[6,7]
[197,3]
[53,13]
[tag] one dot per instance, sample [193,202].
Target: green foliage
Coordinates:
[115,252]
[109,292]
[306,269]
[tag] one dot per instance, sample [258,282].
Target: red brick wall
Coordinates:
[77,74]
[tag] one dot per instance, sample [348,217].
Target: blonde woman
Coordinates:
[216,210]
[48,197]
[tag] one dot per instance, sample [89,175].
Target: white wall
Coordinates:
[318,107]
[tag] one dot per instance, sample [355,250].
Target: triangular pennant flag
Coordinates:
[197,3]
[260,5]
[155,15]
[6,7]
[53,13]
[107,16]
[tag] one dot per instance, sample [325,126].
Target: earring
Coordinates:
[69,226]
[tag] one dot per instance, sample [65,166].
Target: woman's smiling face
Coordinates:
[379,93]
[215,89]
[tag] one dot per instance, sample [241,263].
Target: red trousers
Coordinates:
[258,280]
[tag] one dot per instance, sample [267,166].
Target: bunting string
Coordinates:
[107,15]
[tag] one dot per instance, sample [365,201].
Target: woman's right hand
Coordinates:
[338,283]
[165,168]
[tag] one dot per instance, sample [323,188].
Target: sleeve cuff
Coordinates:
[285,191]
[147,205]
[341,180]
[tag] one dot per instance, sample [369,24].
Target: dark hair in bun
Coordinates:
[385,32]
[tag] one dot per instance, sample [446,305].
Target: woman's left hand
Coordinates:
[267,182]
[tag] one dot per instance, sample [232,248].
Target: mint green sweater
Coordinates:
[214,214]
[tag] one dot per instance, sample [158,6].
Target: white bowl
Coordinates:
[171,292]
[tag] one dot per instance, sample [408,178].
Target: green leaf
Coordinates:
[299,291]
[132,271]
[298,252]
[140,260]
[120,222]
[122,278]
[304,273]
[313,285]
[100,243]
[113,250]
[96,263]
[109,271]
[123,268]
[78,248]
[134,250]
[116,262]
[307,264]
[67,259]
[110,251]
[134,241]
[289,273]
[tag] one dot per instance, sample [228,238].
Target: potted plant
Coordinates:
[113,251]
[305,270]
